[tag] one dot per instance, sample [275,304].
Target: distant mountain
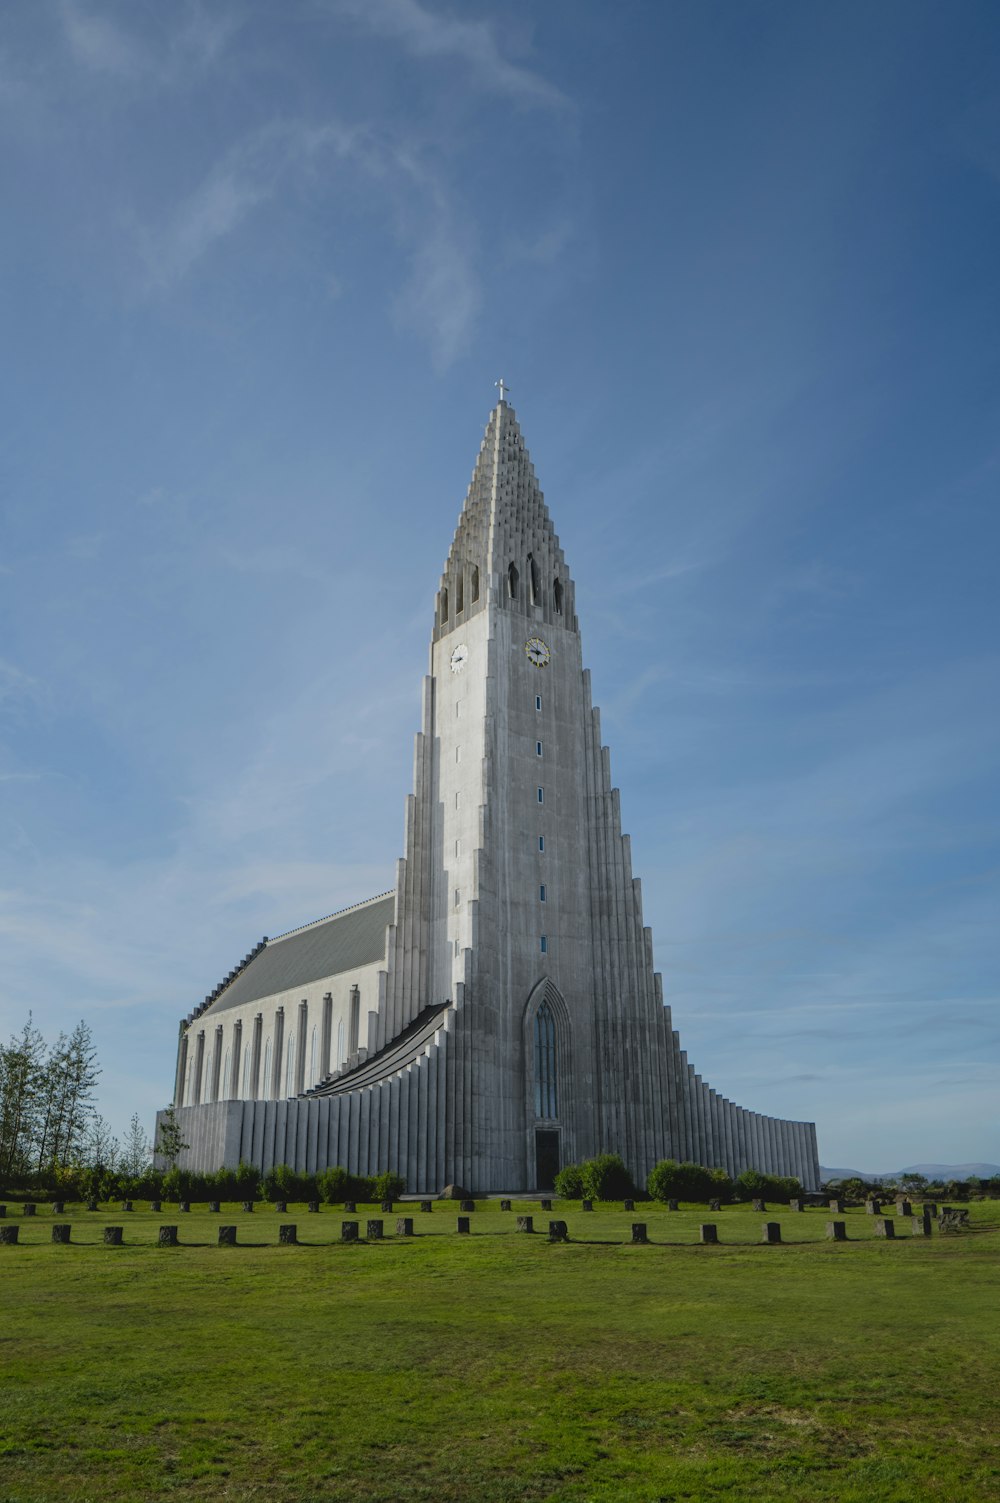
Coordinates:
[929,1171]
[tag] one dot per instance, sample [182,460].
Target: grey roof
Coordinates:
[342,942]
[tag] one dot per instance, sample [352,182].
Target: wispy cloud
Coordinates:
[427,33]
[193,38]
[98,43]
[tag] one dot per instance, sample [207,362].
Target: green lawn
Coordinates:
[497,1366]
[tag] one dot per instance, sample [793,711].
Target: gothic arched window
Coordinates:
[557,596]
[536,587]
[459,593]
[545,1063]
[475,583]
[512,581]
[444,605]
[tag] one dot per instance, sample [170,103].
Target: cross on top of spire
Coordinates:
[504,388]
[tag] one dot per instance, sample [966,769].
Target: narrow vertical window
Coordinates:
[541,842]
[538,748]
[536,591]
[460,594]
[458,754]
[512,581]
[313,1058]
[557,596]
[444,605]
[290,1066]
[546,1105]
[541,893]
[267,1068]
[226,1083]
[541,795]
[474,583]
[341,1055]
[458,897]
[544,945]
[355,1023]
[538,701]
[246,1074]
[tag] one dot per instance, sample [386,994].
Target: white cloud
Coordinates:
[427,33]
[97,43]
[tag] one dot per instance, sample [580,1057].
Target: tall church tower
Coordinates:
[514,1022]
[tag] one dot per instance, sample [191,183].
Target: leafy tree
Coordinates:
[136,1152]
[170,1140]
[66,1104]
[21,1066]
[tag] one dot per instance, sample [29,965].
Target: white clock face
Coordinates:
[458,658]
[538,653]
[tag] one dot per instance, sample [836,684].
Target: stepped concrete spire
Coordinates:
[497,1014]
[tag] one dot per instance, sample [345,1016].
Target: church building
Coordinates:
[496,1015]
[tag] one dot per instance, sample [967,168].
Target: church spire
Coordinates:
[505,550]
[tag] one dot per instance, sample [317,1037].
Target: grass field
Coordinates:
[497,1366]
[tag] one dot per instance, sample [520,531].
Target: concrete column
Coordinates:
[182,1056]
[326,1037]
[199,1065]
[300,1058]
[255,1047]
[354,1022]
[234,1079]
[279,1042]
[217,1063]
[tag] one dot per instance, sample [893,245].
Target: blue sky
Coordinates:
[261,265]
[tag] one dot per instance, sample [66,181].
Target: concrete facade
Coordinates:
[498,1013]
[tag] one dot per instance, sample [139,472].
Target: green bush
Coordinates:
[332,1185]
[283,1183]
[753,1185]
[388,1186]
[606,1178]
[569,1182]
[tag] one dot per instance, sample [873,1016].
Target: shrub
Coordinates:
[606,1178]
[661,1182]
[752,1184]
[388,1186]
[332,1185]
[569,1182]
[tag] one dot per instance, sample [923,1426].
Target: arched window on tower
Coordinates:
[545,1063]
[474,583]
[460,593]
[557,596]
[444,606]
[290,1066]
[512,581]
[266,1082]
[536,587]
[247,1061]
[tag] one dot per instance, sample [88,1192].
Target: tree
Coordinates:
[169,1139]
[136,1150]
[21,1067]
[67,1098]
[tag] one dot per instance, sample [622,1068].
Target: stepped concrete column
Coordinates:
[300,1058]
[199,1065]
[258,1031]
[217,1063]
[326,1037]
[279,1042]
[182,1056]
[234,1079]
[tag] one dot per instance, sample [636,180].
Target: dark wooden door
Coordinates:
[546,1159]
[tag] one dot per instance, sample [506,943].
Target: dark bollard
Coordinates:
[904,1208]
[185,1206]
[426,1206]
[505,1205]
[215,1206]
[60,1231]
[468,1205]
[836,1205]
[639,1231]
[628,1205]
[546,1205]
[3,1213]
[8,1235]
[796,1205]
[922,1224]
[167,1237]
[884,1227]
[758,1205]
[526,1223]
[715,1205]
[29,1208]
[58,1208]
[288,1234]
[154,1205]
[836,1231]
[281,1206]
[386,1206]
[348,1231]
[672,1205]
[770,1232]
[227,1236]
[91,1205]
[929,1207]
[247,1207]
[708,1231]
[126,1205]
[586,1205]
[313,1208]
[463,1225]
[374,1232]
[873,1207]
[558,1231]
[113,1236]
[350,1209]
[404,1226]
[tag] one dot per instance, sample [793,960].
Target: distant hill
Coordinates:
[930,1171]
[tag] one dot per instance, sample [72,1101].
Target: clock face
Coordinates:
[458,658]
[538,653]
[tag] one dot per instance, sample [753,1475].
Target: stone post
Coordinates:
[386,1206]
[468,1205]
[426,1206]
[60,1231]
[837,1205]
[628,1205]
[715,1205]
[771,1231]
[288,1234]
[154,1205]
[904,1208]
[796,1205]
[758,1205]
[374,1232]
[558,1231]
[836,1231]
[673,1205]
[350,1209]
[526,1223]
[247,1207]
[873,1207]
[29,1208]
[168,1236]
[463,1224]
[58,1208]
[3,1213]
[884,1227]
[281,1206]
[348,1231]
[586,1205]
[404,1226]
[546,1205]
[113,1236]
[91,1205]
[639,1231]
[922,1224]
[708,1231]
[313,1208]
[8,1235]
[215,1206]
[505,1205]
[227,1236]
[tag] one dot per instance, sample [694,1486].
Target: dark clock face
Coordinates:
[537,651]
